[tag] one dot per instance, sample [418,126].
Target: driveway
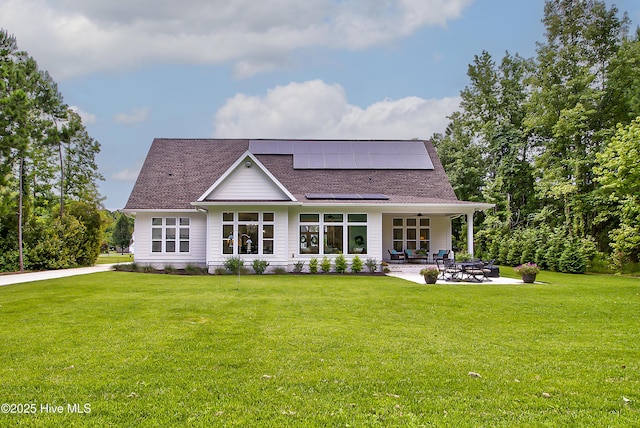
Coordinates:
[19,278]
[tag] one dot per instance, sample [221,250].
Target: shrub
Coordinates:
[169,269]
[341,264]
[259,266]
[234,264]
[325,265]
[313,265]
[126,267]
[298,266]
[462,256]
[572,260]
[148,269]
[279,270]
[372,265]
[193,269]
[220,271]
[356,265]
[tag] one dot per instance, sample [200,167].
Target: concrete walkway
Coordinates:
[411,272]
[19,278]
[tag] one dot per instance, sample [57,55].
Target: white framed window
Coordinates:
[248,232]
[170,234]
[333,233]
[411,233]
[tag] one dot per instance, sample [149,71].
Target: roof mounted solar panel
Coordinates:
[348,196]
[333,154]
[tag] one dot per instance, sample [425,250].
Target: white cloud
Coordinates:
[136,115]
[73,37]
[127,174]
[87,118]
[315,109]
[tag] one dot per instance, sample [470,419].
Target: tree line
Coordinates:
[50,207]
[554,142]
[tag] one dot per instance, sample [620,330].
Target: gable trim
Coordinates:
[235,165]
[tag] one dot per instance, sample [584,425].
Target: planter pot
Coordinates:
[430,279]
[528,278]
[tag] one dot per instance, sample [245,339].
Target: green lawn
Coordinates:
[114,258]
[159,350]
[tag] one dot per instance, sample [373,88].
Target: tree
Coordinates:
[619,173]
[41,144]
[566,111]
[122,233]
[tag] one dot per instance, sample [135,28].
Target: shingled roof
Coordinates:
[177,172]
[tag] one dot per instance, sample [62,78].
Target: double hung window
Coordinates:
[170,234]
[412,233]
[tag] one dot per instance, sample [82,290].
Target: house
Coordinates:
[202,201]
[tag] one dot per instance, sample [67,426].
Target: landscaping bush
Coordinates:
[234,264]
[341,264]
[259,266]
[313,265]
[356,265]
[325,265]
[193,269]
[372,265]
[298,266]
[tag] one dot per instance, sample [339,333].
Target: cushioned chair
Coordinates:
[441,255]
[396,256]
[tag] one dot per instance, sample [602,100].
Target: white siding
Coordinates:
[247,184]
[215,256]
[197,241]
[374,232]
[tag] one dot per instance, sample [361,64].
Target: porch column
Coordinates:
[470,233]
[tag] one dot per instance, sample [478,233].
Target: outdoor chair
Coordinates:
[396,255]
[488,269]
[451,271]
[475,272]
[441,255]
[442,268]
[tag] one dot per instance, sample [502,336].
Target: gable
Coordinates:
[247,180]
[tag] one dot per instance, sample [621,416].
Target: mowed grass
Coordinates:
[114,258]
[159,350]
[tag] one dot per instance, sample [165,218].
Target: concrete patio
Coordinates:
[411,272]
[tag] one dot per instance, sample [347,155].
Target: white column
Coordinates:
[470,233]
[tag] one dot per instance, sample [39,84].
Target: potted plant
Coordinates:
[528,271]
[430,274]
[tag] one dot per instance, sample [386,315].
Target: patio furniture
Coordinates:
[396,256]
[472,271]
[449,270]
[441,255]
[412,255]
[491,271]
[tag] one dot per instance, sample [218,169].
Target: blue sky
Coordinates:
[271,69]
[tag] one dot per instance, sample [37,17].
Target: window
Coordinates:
[413,233]
[248,233]
[170,234]
[338,236]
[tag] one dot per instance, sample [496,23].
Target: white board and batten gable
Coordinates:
[247,180]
